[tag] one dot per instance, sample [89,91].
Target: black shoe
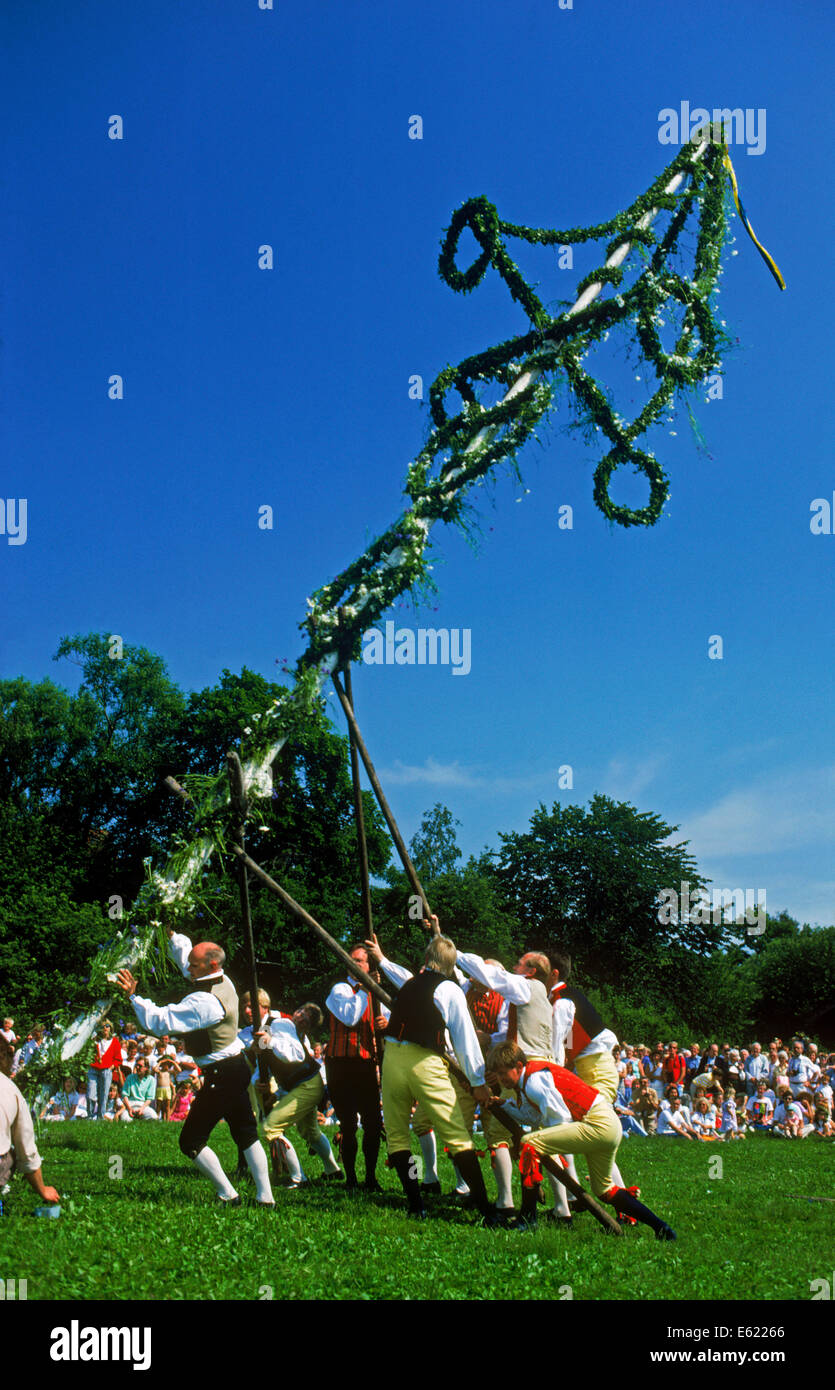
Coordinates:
[665,1232]
[495,1220]
[230,1201]
[528,1222]
[419,1214]
[371,1185]
[332,1177]
[555,1219]
[432,1189]
[351,1183]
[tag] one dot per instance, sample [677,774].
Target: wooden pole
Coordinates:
[384,806]
[359,819]
[358,816]
[298,911]
[237,793]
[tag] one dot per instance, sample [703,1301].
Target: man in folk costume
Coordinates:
[422,1126]
[569,1117]
[262,1098]
[581,1042]
[530,1023]
[299,1077]
[208,1020]
[428,1006]
[356,1019]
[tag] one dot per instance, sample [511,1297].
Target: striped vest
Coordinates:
[353,1042]
[485,1009]
[577,1094]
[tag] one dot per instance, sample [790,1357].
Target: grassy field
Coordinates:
[157,1233]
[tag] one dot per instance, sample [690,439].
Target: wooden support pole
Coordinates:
[378,792]
[365,877]
[237,793]
[298,911]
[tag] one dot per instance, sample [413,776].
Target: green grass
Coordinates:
[157,1233]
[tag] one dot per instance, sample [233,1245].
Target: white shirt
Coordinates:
[452,1006]
[16,1128]
[562,1026]
[670,1122]
[284,1041]
[348,1007]
[516,989]
[760,1108]
[802,1070]
[757,1066]
[197,1010]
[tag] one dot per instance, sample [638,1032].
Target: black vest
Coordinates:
[415,1017]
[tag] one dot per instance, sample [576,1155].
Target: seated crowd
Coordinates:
[132,1077]
[726,1092]
[716,1094]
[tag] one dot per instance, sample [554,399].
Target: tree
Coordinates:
[465,899]
[588,881]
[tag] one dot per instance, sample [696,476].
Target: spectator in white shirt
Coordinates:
[756,1066]
[788,1116]
[673,1122]
[759,1109]
[802,1070]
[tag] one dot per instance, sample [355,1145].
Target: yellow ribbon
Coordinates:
[769,260]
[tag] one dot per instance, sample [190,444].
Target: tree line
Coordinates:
[83,807]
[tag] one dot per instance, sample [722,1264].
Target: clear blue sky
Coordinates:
[289,387]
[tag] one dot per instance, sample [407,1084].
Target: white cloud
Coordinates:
[434,774]
[789,810]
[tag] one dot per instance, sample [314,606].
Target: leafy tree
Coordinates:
[588,881]
[795,976]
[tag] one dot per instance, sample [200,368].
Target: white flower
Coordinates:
[247,731]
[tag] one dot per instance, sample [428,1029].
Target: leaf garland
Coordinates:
[462,449]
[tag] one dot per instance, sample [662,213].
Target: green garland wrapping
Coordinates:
[462,449]
[449,463]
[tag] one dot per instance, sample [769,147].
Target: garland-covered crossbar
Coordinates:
[467,442]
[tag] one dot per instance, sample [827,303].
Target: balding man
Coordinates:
[208,1020]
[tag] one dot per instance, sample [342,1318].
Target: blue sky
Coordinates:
[289,387]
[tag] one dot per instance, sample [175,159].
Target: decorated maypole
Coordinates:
[462,449]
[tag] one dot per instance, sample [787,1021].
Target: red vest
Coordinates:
[577,1094]
[353,1042]
[485,1009]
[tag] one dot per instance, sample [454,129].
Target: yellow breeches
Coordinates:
[410,1074]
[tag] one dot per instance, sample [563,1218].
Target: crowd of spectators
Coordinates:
[719,1093]
[131,1076]
[726,1092]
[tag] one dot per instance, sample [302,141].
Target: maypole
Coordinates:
[461,451]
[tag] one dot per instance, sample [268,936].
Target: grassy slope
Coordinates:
[158,1234]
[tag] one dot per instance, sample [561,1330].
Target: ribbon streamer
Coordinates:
[769,260]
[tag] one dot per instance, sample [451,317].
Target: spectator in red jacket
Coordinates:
[106,1055]
[674,1066]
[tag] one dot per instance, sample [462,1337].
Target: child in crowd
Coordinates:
[182,1101]
[729,1126]
[115,1107]
[163,1071]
